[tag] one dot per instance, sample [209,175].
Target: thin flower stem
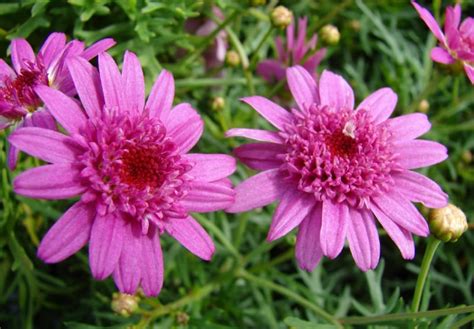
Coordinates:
[290,294]
[207,82]
[254,58]
[425,267]
[466,320]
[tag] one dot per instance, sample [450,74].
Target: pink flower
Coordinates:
[129,162]
[457,41]
[19,103]
[332,168]
[292,53]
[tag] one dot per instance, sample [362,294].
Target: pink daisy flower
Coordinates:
[128,161]
[334,170]
[293,52]
[19,103]
[457,41]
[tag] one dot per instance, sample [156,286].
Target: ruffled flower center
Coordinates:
[338,154]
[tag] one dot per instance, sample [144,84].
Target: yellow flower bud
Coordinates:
[232,58]
[467,156]
[124,304]
[218,104]
[447,224]
[330,34]
[281,17]
[423,106]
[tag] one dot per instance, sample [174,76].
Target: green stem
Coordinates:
[207,82]
[425,267]
[254,59]
[460,323]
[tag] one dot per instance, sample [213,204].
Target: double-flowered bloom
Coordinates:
[19,103]
[128,161]
[457,41]
[335,170]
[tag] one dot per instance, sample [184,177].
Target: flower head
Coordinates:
[129,162]
[293,52]
[19,103]
[332,168]
[457,41]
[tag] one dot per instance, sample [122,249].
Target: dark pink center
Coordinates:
[142,167]
[340,144]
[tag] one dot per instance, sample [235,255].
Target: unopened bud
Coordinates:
[218,104]
[124,304]
[232,58]
[447,224]
[182,318]
[467,156]
[355,25]
[281,17]
[423,106]
[257,3]
[330,34]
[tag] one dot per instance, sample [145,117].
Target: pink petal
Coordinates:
[335,92]
[21,54]
[334,227]
[308,248]
[401,211]
[6,70]
[96,48]
[363,239]
[302,87]
[380,104]
[134,83]
[258,191]
[45,144]
[57,181]
[105,245]
[440,55]
[256,134]
[43,119]
[430,22]
[470,72]
[111,81]
[260,156]
[273,113]
[64,109]
[185,127]
[151,265]
[312,62]
[191,235]
[271,70]
[12,157]
[409,126]
[161,96]
[419,188]
[298,49]
[211,167]
[451,25]
[69,234]
[52,47]
[86,80]
[420,153]
[205,197]
[293,208]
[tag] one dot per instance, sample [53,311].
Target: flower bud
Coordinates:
[256,3]
[124,304]
[447,224]
[355,25]
[182,318]
[330,34]
[423,106]
[218,104]
[281,17]
[467,156]
[232,58]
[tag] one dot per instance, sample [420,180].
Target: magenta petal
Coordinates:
[308,248]
[134,83]
[69,234]
[409,126]
[111,81]
[127,274]
[105,245]
[380,104]
[151,265]
[470,72]
[275,114]
[430,22]
[22,53]
[43,119]
[161,96]
[57,181]
[419,188]
[12,157]
[48,145]
[271,70]
[98,47]
[302,87]
[210,167]
[293,208]
[64,109]
[256,134]
[6,70]
[191,235]
[205,197]
[260,156]
[335,220]
[52,47]
[440,55]
[420,153]
[258,191]
[363,239]
[185,127]
[335,92]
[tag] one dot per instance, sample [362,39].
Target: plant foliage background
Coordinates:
[249,283]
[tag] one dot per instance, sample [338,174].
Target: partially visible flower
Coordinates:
[448,223]
[214,55]
[334,169]
[457,41]
[19,103]
[128,161]
[330,34]
[281,17]
[294,51]
[124,304]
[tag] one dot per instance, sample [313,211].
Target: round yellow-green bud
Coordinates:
[218,104]
[182,318]
[330,34]
[281,17]
[467,156]
[447,224]
[257,3]
[232,58]
[124,304]
[355,25]
[423,106]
